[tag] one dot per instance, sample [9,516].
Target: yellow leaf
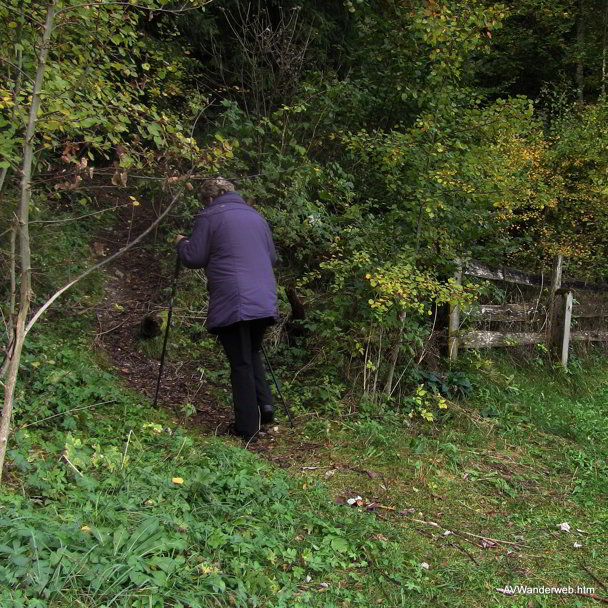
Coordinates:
[177,480]
[86,529]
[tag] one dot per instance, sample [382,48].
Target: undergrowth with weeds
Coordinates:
[109,503]
[510,489]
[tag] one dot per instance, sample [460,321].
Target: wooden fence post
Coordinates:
[454,320]
[556,283]
[561,330]
[560,314]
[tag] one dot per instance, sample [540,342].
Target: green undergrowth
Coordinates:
[108,502]
[481,495]
[115,505]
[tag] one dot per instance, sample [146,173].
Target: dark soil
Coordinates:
[137,285]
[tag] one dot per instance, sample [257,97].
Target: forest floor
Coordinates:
[481,504]
[137,286]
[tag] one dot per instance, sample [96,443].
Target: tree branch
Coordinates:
[175,11]
[87,272]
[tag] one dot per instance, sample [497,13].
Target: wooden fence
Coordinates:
[554,313]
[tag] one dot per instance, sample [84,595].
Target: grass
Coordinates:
[537,459]
[117,506]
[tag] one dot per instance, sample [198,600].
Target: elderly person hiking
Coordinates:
[233,243]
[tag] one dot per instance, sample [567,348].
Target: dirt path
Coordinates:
[136,286]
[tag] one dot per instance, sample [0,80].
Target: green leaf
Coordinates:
[120,536]
[153,128]
[339,544]
[19,560]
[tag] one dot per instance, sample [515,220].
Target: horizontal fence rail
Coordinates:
[519,277]
[555,314]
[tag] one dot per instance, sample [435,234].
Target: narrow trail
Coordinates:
[138,285]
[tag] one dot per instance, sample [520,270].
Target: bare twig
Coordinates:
[76,409]
[461,548]
[181,447]
[64,456]
[80,217]
[597,580]
[306,366]
[19,70]
[108,331]
[593,596]
[375,567]
[87,272]
[174,11]
[12,9]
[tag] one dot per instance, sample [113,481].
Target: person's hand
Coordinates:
[179,237]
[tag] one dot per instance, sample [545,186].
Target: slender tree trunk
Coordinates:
[12,306]
[580,48]
[24,238]
[388,387]
[604,42]
[13,297]
[377,370]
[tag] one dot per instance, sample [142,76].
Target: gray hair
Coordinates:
[212,188]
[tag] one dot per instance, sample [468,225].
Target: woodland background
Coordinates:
[382,139]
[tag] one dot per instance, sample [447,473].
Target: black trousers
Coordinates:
[242,342]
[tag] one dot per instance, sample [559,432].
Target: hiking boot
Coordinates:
[266,414]
[244,436]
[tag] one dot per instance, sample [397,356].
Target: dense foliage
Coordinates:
[382,141]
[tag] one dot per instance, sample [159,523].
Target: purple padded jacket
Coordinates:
[233,243]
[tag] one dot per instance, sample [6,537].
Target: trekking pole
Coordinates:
[277,385]
[169,314]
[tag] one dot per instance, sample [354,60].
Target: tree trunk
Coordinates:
[388,387]
[580,50]
[24,239]
[13,287]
